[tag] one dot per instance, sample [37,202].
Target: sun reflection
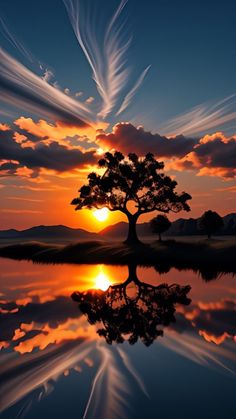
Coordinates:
[101,214]
[102,281]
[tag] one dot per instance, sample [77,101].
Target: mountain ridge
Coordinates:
[54,231]
[180,227]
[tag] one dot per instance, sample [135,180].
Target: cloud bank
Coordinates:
[213,155]
[128,138]
[31,146]
[25,153]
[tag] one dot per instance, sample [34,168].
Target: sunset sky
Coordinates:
[81,77]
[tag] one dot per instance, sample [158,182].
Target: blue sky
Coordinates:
[189,44]
[48,136]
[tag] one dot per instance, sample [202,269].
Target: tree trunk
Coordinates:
[132,269]
[132,234]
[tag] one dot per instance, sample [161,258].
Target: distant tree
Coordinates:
[210,222]
[135,180]
[160,224]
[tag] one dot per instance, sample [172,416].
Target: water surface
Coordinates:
[54,363]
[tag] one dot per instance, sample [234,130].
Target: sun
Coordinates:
[102,282]
[101,214]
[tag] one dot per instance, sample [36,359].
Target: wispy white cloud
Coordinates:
[128,98]
[203,117]
[110,379]
[20,87]
[198,351]
[78,94]
[5,113]
[42,368]
[89,100]
[106,55]
[48,75]
[133,371]
[9,35]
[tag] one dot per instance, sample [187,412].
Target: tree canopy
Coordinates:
[160,224]
[139,180]
[210,222]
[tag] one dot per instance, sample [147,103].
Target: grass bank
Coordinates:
[209,256]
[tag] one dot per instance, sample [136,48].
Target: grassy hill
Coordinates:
[208,256]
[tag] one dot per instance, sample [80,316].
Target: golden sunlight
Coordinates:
[101,281]
[101,214]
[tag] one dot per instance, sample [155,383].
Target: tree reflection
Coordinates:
[133,309]
[207,273]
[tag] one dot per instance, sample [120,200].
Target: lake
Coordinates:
[161,345]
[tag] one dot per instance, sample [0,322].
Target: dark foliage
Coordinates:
[131,179]
[124,316]
[210,222]
[160,224]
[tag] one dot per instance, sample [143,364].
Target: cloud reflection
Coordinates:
[48,340]
[21,376]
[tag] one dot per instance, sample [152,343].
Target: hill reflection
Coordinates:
[132,310]
[205,272]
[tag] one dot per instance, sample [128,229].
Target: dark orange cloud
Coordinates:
[209,138]
[218,340]
[71,329]
[58,131]
[128,138]
[26,154]
[4,127]
[62,148]
[211,155]
[215,321]
[214,155]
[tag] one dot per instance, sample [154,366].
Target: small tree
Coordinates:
[159,224]
[131,179]
[210,222]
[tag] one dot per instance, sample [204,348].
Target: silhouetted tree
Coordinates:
[160,224]
[131,179]
[132,310]
[210,222]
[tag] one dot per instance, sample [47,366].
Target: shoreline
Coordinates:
[209,256]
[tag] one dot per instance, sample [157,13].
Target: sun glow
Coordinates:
[102,282]
[101,214]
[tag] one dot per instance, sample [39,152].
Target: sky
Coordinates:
[81,77]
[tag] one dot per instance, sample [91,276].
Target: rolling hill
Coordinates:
[56,232]
[180,227]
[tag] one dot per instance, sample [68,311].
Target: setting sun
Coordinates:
[102,282]
[101,214]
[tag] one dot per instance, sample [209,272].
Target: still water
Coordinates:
[152,347]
